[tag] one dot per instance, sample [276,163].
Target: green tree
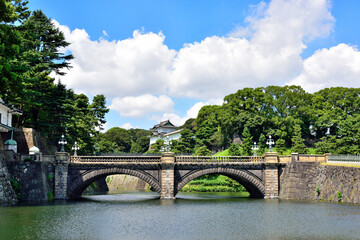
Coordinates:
[235,149]
[120,137]
[326,145]
[298,145]
[247,142]
[186,142]
[280,143]
[202,151]
[141,145]
[217,140]
[280,146]
[262,144]
[10,43]
[99,109]
[157,147]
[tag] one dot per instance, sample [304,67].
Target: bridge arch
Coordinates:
[79,184]
[251,182]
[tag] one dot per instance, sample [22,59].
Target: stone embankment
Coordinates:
[7,194]
[121,182]
[312,181]
[35,180]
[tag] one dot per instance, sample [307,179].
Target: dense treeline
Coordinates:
[119,140]
[328,120]
[30,49]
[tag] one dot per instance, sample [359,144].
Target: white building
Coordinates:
[6,113]
[165,131]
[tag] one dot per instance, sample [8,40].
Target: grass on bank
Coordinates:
[213,183]
[341,164]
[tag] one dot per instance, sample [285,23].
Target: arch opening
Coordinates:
[78,186]
[215,183]
[251,183]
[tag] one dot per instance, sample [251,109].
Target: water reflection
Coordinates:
[190,216]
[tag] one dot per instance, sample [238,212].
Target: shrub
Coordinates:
[318,191]
[29,159]
[50,196]
[339,196]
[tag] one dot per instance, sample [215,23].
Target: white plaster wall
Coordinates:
[4,114]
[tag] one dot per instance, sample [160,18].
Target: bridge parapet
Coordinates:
[114,159]
[220,159]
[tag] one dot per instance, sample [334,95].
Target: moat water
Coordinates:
[190,216]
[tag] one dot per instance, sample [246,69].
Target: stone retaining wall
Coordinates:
[36,180]
[7,194]
[312,181]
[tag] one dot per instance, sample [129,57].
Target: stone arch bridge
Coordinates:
[167,174]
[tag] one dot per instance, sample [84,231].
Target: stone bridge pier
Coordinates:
[61,175]
[167,176]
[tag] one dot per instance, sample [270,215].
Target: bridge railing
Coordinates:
[219,159]
[115,159]
[344,158]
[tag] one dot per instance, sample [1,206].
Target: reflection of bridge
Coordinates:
[167,174]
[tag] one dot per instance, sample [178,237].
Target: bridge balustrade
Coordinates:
[157,159]
[219,159]
[115,159]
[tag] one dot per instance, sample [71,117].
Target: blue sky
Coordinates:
[157,60]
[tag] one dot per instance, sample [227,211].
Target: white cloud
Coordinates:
[191,113]
[286,24]
[134,66]
[127,126]
[334,67]
[105,33]
[218,66]
[271,56]
[141,105]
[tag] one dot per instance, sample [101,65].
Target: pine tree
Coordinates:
[298,145]
[262,144]
[280,146]
[280,143]
[235,149]
[247,142]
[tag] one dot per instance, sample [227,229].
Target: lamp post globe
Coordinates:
[62,142]
[270,142]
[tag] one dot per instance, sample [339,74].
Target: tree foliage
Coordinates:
[30,50]
[286,112]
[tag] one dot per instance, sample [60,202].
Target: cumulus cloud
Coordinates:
[333,67]
[127,126]
[134,66]
[191,113]
[270,56]
[140,106]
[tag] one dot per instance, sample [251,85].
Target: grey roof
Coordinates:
[164,124]
[10,106]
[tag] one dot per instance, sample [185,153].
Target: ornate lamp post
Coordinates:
[75,148]
[62,142]
[270,142]
[97,147]
[167,144]
[254,148]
